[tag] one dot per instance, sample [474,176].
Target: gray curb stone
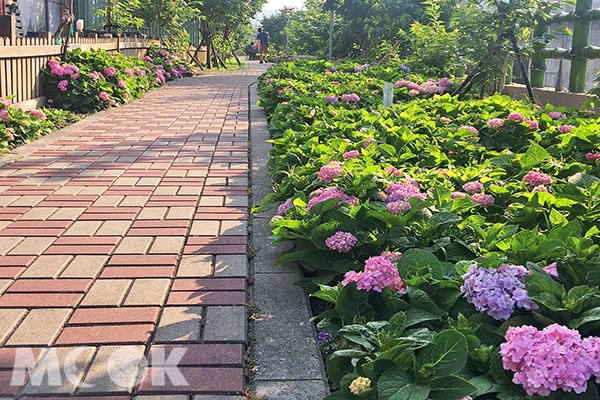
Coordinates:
[288,363]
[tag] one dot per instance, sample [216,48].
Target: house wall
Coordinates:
[557,72]
[36,19]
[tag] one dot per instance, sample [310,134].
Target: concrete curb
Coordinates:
[289,364]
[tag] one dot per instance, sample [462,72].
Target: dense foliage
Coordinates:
[19,126]
[457,241]
[93,80]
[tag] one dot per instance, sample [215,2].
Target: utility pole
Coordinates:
[287,11]
[330,34]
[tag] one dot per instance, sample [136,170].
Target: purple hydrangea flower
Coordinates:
[281,210]
[332,99]
[473,187]
[341,241]
[497,291]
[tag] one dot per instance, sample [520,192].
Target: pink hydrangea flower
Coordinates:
[484,200]
[104,96]
[495,122]
[147,59]
[330,170]
[5,102]
[413,92]
[4,115]
[565,128]
[56,68]
[441,172]
[368,142]
[554,358]
[473,187]
[128,72]
[341,242]
[335,83]
[10,132]
[517,117]
[393,171]
[532,124]
[37,113]
[351,98]
[138,71]
[403,191]
[379,273]
[458,195]
[445,120]
[281,210]
[469,128]
[122,84]
[398,207]
[351,154]
[331,193]
[96,75]
[540,188]
[551,269]
[537,178]
[592,156]
[110,71]
[555,115]
[391,256]
[72,71]
[62,85]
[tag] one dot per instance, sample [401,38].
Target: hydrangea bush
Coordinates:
[93,80]
[436,228]
[19,126]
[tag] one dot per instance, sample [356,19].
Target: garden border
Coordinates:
[289,365]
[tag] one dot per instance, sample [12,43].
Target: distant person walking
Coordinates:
[263,39]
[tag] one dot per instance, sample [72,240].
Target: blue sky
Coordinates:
[278,4]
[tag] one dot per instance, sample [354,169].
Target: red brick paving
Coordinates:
[141,155]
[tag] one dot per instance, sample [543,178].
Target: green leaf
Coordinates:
[590,315]
[293,256]
[535,155]
[450,388]
[361,335]
[395,384]
[583,181]
[447,354]
[327,293]
[414,259]
[484,385]
[397,325]
[557,219]
[340,396]
[352,305]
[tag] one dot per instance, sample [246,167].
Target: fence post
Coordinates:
[538,63]
[581,37]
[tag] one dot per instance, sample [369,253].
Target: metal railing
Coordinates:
[580,51]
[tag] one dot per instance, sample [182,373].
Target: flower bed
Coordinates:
[457,241]
[93,80]
[18,126]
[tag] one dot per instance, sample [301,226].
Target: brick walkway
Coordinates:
[127,238]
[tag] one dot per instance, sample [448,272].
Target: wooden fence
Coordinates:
[22,58]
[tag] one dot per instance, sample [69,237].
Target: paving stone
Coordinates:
[7,243]
[230,265]
[108,201]
[199,380]
[179,324]
[114,370]
[78,360]
[105,334]
[107,292]
[133,201]
[83,228]
[152,213]
[67,213]
[225,324]
[212,201]
[205,228]
[192,266]
[4,284]
[27,201]
[167,245]
[194,355]
[161,397]
[39,328]
[236,201]
[234,228]
[134,245]
[38,213]
[216,397]
[190,190]
[84,266]
[47,266]
[181,213]
[148,292]
[10,319]
[113,228]
[32,245]
[292,390]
